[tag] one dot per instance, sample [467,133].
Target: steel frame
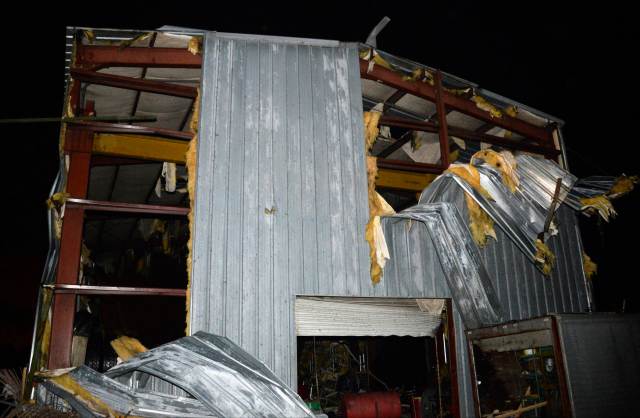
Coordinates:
[78,146]
[131,83]
[540,140]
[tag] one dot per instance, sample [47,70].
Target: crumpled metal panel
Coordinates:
[521,215]
[221,378]
[505,279]
[460,260]
[123,399]
[538,177]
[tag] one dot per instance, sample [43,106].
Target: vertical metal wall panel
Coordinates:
[281,189]
[601,355]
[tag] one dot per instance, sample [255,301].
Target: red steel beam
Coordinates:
[96,57]
[149,86]
[78,145]
[76,289]
[104,206]
[443,133]
[469,135]
[120,128]
[409,166]
[460,104]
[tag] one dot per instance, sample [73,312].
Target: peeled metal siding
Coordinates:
[281,195]
[523,291]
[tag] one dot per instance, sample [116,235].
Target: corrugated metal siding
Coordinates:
[601,355]
[281,195]
[523,291]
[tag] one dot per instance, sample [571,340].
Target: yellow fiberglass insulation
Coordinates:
[482,103]
[480,224]
[190,163]
[601,204]
[371,129]
[378,251]
[504,162]
[544,257]
[68,384]
[127,347]
[590,267]
[623,185]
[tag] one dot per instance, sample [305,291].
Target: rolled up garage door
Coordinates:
[345,316]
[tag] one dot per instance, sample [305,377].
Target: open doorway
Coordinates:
[375,357]
[516,370]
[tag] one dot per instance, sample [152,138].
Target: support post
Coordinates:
[443,132]
[78,144]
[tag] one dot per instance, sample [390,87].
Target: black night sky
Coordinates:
[579,65]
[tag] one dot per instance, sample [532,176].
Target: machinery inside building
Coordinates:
[405,370]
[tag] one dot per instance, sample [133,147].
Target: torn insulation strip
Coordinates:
[190,163]
[503,162]
[622,186]
[544,257]
[195,45]
[480,224]
[600,204]
[482,103]
[378,250]
[127,347]
[590,267]
[63,380]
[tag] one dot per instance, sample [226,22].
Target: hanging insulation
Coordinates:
[378,251]
[64,381]
[504,162]
[599,204]
[623,185]
[480,224]
[190,163]
[544,257]
[127,347]
[483,104]
[590,267]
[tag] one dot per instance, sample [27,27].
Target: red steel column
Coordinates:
[443,131]
[78,144]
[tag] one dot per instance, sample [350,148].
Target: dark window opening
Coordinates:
[130,252]
[517,379]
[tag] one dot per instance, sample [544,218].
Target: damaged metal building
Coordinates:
[227,183]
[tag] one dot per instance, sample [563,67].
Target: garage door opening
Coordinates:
[375,356]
